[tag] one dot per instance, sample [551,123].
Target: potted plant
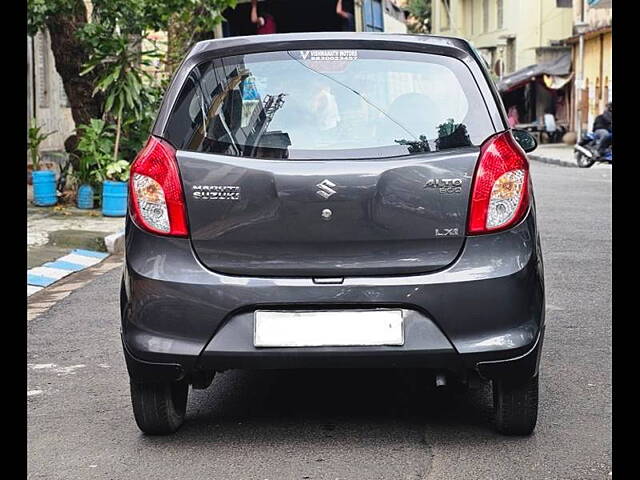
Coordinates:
[94,152]
[114,189]
[44,181]
[125,97]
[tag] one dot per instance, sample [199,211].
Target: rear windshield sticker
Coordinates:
[328,55]
[326,60]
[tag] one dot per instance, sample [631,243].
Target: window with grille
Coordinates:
[42,69]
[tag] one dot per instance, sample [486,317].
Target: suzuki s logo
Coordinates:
[325,188]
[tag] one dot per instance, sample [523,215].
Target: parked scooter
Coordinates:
[586,151]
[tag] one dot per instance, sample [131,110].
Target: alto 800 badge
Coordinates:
[445,185]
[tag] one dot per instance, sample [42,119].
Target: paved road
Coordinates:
[342,425]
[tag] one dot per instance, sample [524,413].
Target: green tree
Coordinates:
[192,24]
[94,151]
[121,80]
[78,42]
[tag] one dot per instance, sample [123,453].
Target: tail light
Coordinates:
[156,198]
[500,190]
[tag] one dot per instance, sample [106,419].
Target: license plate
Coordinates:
[328,328]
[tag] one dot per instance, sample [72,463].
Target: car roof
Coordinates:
[367,38]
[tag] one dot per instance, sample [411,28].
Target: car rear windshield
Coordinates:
[328,104]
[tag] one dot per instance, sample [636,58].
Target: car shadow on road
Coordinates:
[245,405]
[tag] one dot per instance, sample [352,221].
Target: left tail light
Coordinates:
[500,191]
[156,197]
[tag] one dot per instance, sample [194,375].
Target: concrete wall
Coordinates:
[46,99]
[393,25]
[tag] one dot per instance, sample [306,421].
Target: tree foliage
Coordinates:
[39,11]
[101,62]
[132,16]
[34,138]
[94,151]
[420,15]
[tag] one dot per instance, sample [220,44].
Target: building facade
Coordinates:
[593,85]
[514,34]
[506,32]
[388,15]
[317,16]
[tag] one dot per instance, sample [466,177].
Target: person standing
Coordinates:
[348,22]
[265,23]
[512,116]
[550,126]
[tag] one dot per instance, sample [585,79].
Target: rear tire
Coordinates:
[583,161]
[515,406]
[159,408]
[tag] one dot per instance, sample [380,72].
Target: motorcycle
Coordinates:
[586,151]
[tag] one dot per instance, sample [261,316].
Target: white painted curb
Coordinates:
[115,242]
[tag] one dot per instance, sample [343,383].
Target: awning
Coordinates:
[561,66]
[600,3]
[556,82]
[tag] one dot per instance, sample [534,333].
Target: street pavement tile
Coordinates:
[90,253]
[79,259]
[50,272]
[74,267]
[31,289]
[39,280]
[55,273]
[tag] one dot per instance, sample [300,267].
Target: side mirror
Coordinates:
[525,140]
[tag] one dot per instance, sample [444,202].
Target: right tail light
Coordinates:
[500,189]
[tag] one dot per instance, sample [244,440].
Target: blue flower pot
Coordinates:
[84,198]
[114,198]
[44,188]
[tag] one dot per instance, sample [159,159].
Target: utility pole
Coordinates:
[580,28]
[540,23]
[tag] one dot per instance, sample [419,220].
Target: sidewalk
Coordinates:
[559,154]
[51,230]
[554,153]
[63,239]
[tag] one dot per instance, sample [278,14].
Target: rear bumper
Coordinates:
[512,365]
[483,312]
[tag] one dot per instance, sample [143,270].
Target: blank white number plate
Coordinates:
[328,328]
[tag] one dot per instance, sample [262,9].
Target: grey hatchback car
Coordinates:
[330,200]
